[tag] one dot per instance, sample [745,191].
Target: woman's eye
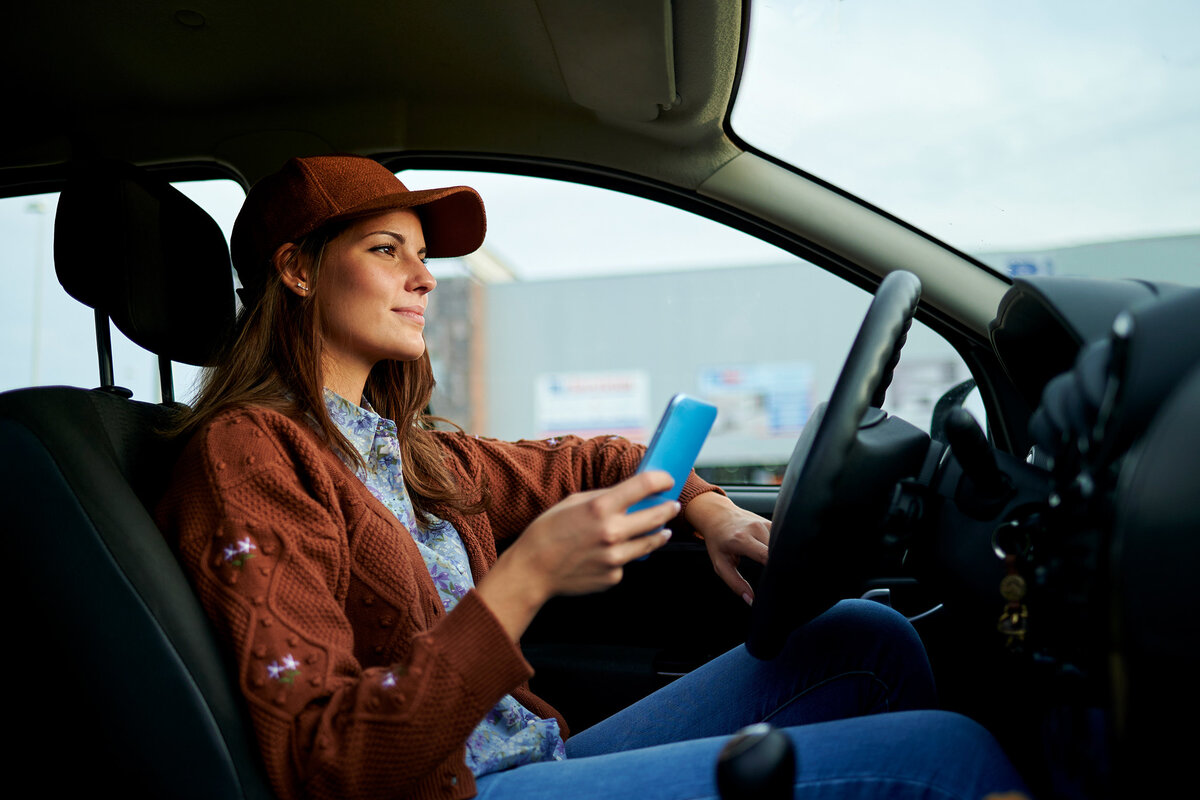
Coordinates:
[387,249]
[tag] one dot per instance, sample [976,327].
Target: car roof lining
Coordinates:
[251,84]
[244,87]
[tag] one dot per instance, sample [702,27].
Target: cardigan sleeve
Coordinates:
[262,536]
[520,480]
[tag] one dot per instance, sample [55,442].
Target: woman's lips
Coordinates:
[412,314]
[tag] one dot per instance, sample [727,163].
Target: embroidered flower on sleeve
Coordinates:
[388,679]
[553,440]
[284,670]
[241,552]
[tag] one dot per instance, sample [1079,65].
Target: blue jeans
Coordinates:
[858,659]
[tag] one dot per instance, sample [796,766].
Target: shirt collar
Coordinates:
[357,423]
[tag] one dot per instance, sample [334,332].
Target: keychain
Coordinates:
[1014,621]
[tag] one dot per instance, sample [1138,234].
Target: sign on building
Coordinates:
[593,404]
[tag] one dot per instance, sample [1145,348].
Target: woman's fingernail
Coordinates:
[678,506]
[666,532]
[749,600]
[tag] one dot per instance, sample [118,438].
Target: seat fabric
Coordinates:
[131,674]
[115,676]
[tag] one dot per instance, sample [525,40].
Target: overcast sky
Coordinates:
[993,125]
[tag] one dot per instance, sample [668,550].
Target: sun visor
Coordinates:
[616,57]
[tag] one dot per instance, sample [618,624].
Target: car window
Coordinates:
[50,337]
[587,309]
[1043,138]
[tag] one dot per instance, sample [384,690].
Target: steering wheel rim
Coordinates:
[808,562]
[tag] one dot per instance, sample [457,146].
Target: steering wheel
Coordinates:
[811,556]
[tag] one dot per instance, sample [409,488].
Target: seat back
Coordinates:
[120,679]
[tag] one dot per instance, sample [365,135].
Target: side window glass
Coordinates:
[587,309]
[222,199]
[49,337]
[47,334]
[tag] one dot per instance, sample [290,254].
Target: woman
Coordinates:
[349,560]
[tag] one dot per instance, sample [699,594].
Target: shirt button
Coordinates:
[454,780]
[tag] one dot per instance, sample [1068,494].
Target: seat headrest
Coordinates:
[133,246]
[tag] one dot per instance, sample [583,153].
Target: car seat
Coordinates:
[116,677]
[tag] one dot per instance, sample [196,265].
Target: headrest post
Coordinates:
[166,381]
[104,349]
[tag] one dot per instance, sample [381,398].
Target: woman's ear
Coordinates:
[293,274]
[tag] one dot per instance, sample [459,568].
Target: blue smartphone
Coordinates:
[677,441]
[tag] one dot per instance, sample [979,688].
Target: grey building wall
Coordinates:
[1164,258]
[490,343]
[672,326]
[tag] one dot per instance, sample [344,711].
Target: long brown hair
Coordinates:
[273,360]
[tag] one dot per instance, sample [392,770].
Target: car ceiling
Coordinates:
[638,85]
[641,87]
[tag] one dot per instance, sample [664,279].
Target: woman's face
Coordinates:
[374,287]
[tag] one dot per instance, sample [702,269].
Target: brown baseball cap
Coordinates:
[311,192]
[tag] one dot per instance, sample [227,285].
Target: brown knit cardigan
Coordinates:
[357,681]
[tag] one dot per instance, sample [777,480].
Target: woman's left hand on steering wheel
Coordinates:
[729,533]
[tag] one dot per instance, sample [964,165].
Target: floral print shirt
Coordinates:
[509,735]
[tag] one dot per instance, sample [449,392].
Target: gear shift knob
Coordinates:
[757,762]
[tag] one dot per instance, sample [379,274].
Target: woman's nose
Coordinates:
[422,280]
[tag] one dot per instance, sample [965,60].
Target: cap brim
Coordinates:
[453,218]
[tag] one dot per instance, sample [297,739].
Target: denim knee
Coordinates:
[859,624]
[871,636]
[879,620]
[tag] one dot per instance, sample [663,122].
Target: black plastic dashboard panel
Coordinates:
[1042,323]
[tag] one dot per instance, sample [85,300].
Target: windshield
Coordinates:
[1040,137]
